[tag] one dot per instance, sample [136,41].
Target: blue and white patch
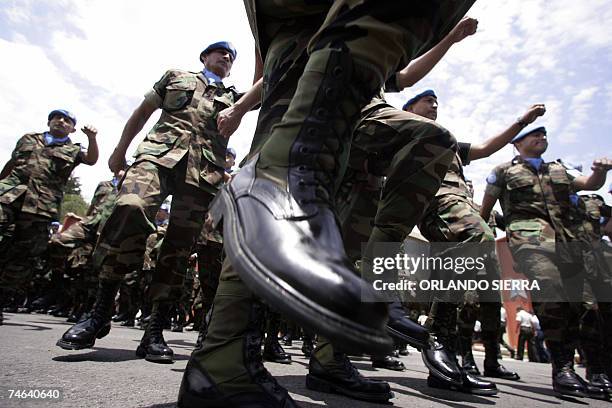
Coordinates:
[492,178]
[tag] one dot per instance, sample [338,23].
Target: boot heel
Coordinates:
[315,384]
[103,332]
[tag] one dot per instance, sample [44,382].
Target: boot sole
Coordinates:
[509,378]
[66,345]
[315,383]
[436,383]
[142,353]
[567,393]
[352,336]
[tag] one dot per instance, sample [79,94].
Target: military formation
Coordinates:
[286,244]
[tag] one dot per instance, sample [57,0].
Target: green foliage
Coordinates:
[73,203]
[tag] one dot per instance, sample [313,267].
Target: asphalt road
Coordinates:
[110,375]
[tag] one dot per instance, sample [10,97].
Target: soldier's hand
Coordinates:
[464,28]
[602,165]
[116,161]
[228,121]
[533,113]
[90,131]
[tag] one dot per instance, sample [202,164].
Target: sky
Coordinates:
[97,58]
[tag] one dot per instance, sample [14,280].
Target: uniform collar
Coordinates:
[212,78]
[51,140]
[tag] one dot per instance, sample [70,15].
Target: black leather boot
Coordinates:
[470,384]
[153,347]
[492,368]
[307,345]
[440,358]
[252,387]
[401,328]
[467,358]
[274,352]
[388,362]
[84,334]
[340,376]
[565,381]
[301,268]
[601,381]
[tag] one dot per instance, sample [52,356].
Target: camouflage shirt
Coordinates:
[595,209]
[40,174]
[188,126]
[152,246]
[454,179]
[536,204]
[101,204]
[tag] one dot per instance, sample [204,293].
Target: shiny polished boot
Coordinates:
[341,377]
[307,345]
[601,381]
[153,346]
[388,362]
[274,352]
[401,328]
[243,380]
[470,384]
[492,368]
[440,357]
[301,268]
[84,334]
[468,363]
[565,381]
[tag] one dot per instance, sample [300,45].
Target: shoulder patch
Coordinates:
[492,178]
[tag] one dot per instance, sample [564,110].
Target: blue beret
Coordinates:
[415,98]
[225,45]
[526,133]
[231,152]
[62,112]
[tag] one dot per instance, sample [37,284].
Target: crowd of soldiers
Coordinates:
[333,171]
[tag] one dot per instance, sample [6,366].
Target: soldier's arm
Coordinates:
[91,156]
[8,167]
[229,119]
[493,144]
[597,178]
[417,69]
[495,183]
[133,126]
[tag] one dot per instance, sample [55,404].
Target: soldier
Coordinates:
[31,190]
[183,155]
[535,201]
[303,187]
[78,240]
[453,217]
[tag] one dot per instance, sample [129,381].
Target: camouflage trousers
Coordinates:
[559,316]
[23,238]
[300,42]
[122,241]
[454,218]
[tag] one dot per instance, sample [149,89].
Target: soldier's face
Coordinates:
[426,107]
[219,62]
[60,126]
[229,161]
[533,145]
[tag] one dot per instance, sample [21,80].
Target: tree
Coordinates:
[73,201]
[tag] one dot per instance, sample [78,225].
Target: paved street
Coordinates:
[110,375]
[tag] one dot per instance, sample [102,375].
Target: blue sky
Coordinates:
[98,58]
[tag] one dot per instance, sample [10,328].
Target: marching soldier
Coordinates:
[31,190]
[535,198]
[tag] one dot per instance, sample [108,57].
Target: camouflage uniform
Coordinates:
[536,209]
[30,198]
[295,57]
[596,320]
[454,217]
[183,156]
